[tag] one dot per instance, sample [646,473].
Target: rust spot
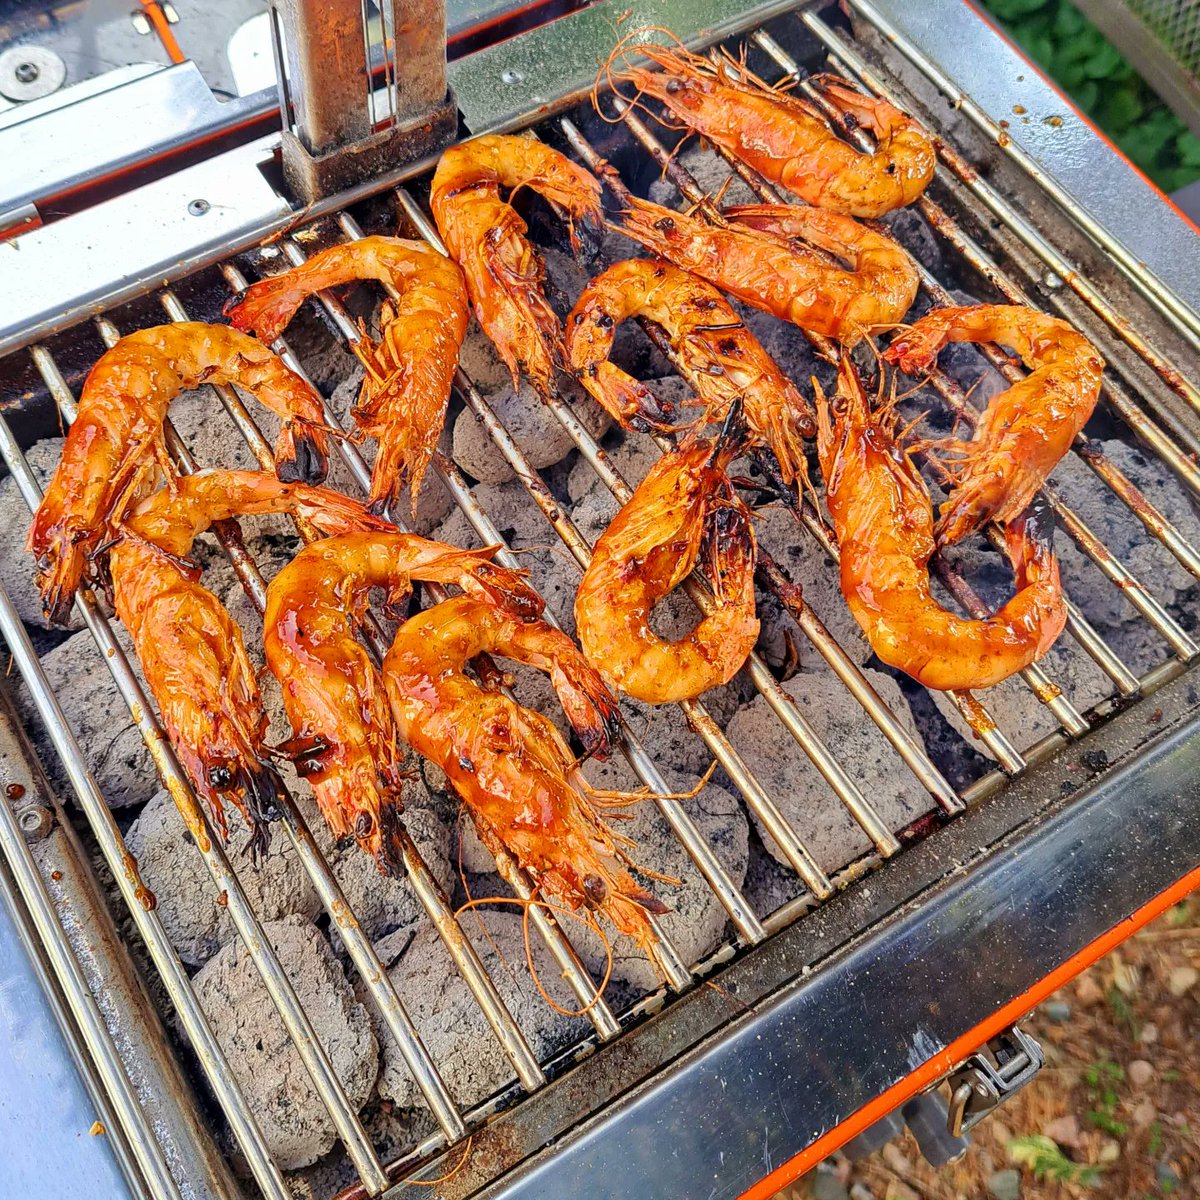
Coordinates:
[1003,139]
[14,791]
[1053,122]
[57,875]
[1019,109]
[223,898]
[97,1129]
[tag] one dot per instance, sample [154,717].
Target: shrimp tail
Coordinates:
[506,589]
[258,789]
[1029,541]
[266,308]
[302,452]
[588,704]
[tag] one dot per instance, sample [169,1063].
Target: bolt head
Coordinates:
[27,72]
[199,207]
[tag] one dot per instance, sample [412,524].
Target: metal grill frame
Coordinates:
[749,927]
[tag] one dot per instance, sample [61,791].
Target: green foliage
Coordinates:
[1074,53]
[1102,1078]
[1045,1158]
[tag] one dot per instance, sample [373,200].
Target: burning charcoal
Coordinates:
[16,564]
[266,1063]
[696,922]
[533,426]
[449,1020]
[552,569]
[804,797]
[173,869]
[769,884]
[710,172]
[100,719]
[381,903]
[801,556]
[1124,535]
[912,231]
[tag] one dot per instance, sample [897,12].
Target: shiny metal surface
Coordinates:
[1111,200]
[111,132]
[42,1095]
[749,927]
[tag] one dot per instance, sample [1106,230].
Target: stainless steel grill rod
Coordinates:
[460,949]
[1175,310]
[1152,520]
[371,970]
[135,1123]
[1041,686]
[701,722]
[741,914]
[972,709]
[116,855]
[279,987]
[941,221]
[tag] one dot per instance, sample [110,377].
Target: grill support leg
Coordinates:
[339,128]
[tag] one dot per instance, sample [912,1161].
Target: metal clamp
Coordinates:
[980,1084]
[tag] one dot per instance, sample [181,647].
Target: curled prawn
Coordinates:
[784,138]
[716,353]
[409,371]
[758,254]
[116,439]
[344,739]
[1027,429]
[191,651]
[509,764]
[883,518]
[486,237]
[684,511]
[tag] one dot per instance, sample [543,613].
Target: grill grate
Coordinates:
[957,182]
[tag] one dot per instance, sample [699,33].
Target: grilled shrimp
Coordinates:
[884,523]
[784,138]
[718,355]
[117,435]
[345,739]
[753,253]
[486,237]
[1026,430]
[190,649]
[510,765]
[683,511]
[409,371]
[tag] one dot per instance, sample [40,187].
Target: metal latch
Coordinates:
[980,1085]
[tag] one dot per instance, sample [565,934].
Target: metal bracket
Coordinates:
[980,1084]
[338,128]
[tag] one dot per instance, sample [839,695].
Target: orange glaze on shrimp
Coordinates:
[1026,430]
[509,764]
[409,371]
[190,649]
[784,138]
[715,351]
[345,739]
[754,253]
[683,511]
[116,440]
[883,518]
[486,237]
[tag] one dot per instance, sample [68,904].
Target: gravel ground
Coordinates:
[1115,1113]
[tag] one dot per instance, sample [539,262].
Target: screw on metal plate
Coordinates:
[512,77]
[30,72]
[199,207]
[980,1085]
[35,821]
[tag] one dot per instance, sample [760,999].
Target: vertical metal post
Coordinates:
[341,128]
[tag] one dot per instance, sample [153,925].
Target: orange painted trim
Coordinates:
[162,27]
[930,1072]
